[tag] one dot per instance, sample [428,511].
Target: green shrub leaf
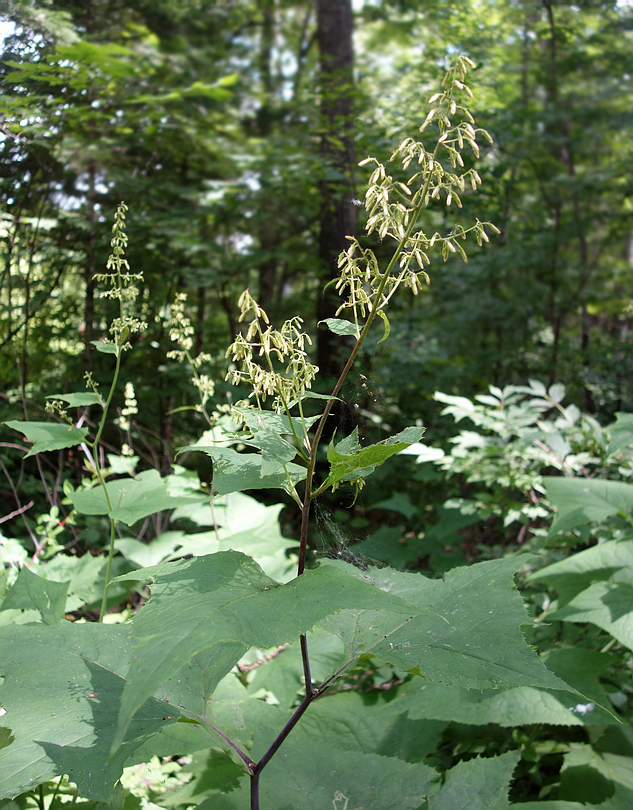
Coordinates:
[477,784]
[339,326]
[234,472]
[78,400]
[349,461]
[584,500]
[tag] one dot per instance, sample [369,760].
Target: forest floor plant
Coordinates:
[86,699]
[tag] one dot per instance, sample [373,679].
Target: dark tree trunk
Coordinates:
[338,215]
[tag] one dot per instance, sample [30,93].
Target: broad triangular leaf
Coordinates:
[61,692]
[467,631]
[49,435]
[131,498]
[224,597]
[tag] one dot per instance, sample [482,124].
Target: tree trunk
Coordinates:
[337,215]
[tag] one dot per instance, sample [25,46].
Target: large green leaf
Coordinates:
[477,784]
[132,498]
[32,592]
[586,500]
[349,460]
[226,597]
[310,776]
[61,691]
[467,631]
[234,472]
[523,705]
[354,722]
[49,435]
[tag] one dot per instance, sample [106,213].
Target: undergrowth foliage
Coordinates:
[240,644]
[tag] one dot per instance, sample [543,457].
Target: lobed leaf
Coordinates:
[225,597]
[467,630]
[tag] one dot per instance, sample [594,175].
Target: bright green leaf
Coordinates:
[49,435]
[105,348]
[349,461]
[339,326]
[79,400]
[132,498]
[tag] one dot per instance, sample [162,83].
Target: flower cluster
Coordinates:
[393,206]
[285,346]
[181,331]
[122,284]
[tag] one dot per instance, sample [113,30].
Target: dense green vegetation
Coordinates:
[418,559]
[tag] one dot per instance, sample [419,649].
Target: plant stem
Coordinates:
[308,495]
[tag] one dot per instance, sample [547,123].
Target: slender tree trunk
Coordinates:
[337,215]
